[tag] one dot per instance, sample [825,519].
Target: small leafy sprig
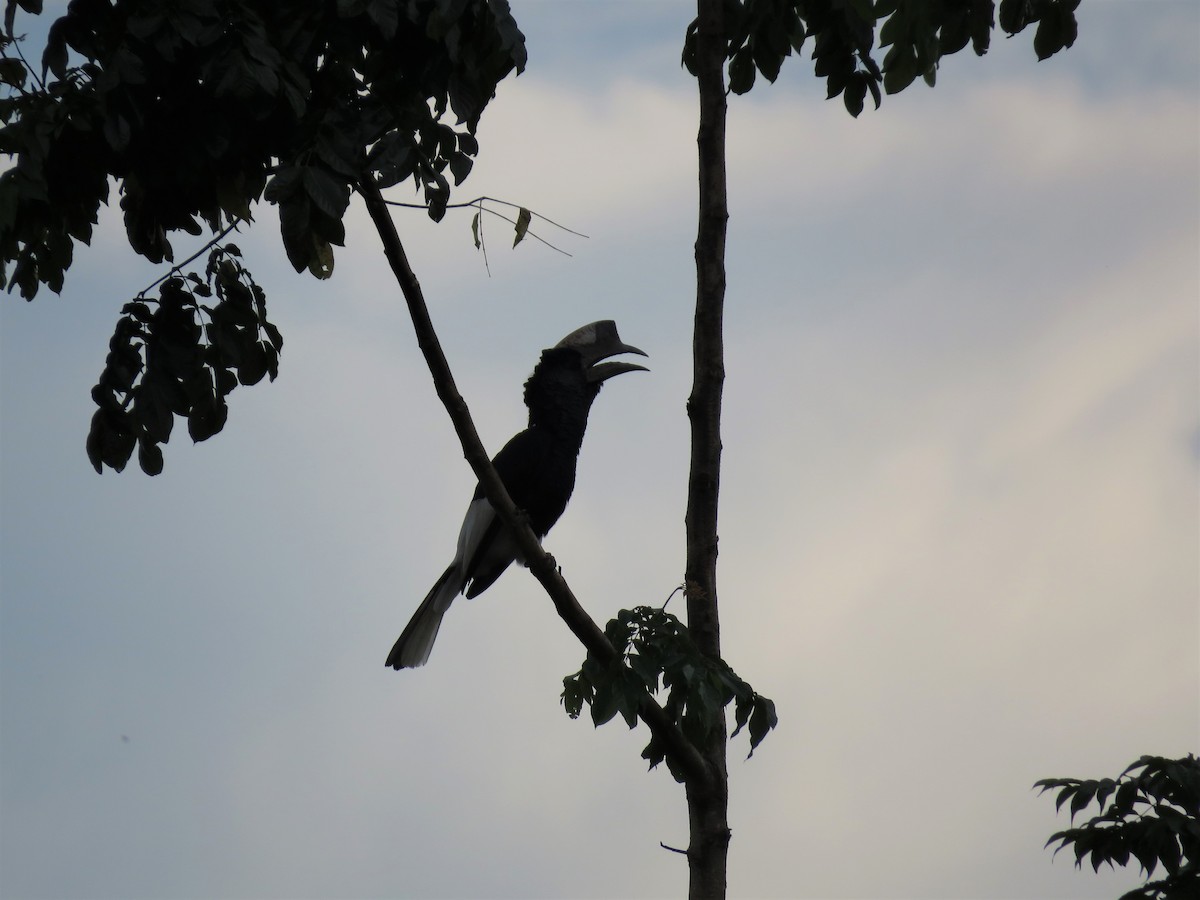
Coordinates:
[657,653]
[1150,812]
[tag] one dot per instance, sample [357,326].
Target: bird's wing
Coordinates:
[479,528]
[486,548]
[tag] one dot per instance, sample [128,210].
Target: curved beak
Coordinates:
[599,341]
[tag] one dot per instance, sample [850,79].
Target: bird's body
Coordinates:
[537,467]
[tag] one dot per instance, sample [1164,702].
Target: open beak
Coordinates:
[599,341]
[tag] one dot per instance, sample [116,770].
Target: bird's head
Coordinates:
[569,375]
[596,342]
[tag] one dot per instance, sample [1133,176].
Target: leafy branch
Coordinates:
[1152,816]
[182,357]
[657,653]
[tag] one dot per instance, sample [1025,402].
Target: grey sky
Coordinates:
[959,521]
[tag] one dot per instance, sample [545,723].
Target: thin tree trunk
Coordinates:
[708,802]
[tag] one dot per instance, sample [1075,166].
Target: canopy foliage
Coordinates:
[1150,812]
[200,109]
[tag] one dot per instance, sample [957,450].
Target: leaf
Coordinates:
[1049,38]
[460,167]
[54,57]
[855,94]
[1013,16]
[1065,794]
[1104,789]
[327,193]
[604,703]
[273,335]
[207,418]
[762,720]
[253,365]
[150,457]
[573,694]
[741,716]
[741,71]
[13,72]
[1083,796]
[320,264]
[899,69]
[475,230]
[524,217]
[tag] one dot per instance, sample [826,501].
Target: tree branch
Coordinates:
[540,563]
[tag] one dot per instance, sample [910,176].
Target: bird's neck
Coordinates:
[566,422]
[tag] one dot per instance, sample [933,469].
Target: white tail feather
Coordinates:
[415,644]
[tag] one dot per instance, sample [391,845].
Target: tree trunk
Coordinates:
[708,802]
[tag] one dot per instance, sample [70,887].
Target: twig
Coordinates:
[478,202]
[191,259]
[15,43]
[672,849]
[678,588]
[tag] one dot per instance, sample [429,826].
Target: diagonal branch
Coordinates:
[540,563]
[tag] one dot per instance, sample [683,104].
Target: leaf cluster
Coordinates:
[181,355]
[656,653]
[198,108]
[1151,813]
[760,34]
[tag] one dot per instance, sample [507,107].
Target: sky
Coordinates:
[959,521]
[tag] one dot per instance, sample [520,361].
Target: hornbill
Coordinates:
[538,470]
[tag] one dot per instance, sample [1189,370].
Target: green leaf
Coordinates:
[762,720]
[1049,38]
[273,335]
[327,193]
[894,30]
[899,69]
[320,265]
[573,694]
[524,217]
[1013,15]
[741,71]
[13,72]
[207,418]
[605,703]
[855,94]
[150,457]
[1083,796]
[253,365]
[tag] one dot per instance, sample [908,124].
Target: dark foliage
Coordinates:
[918,33]
[180,355]
[1150,813]
[657,653]
[198,108]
